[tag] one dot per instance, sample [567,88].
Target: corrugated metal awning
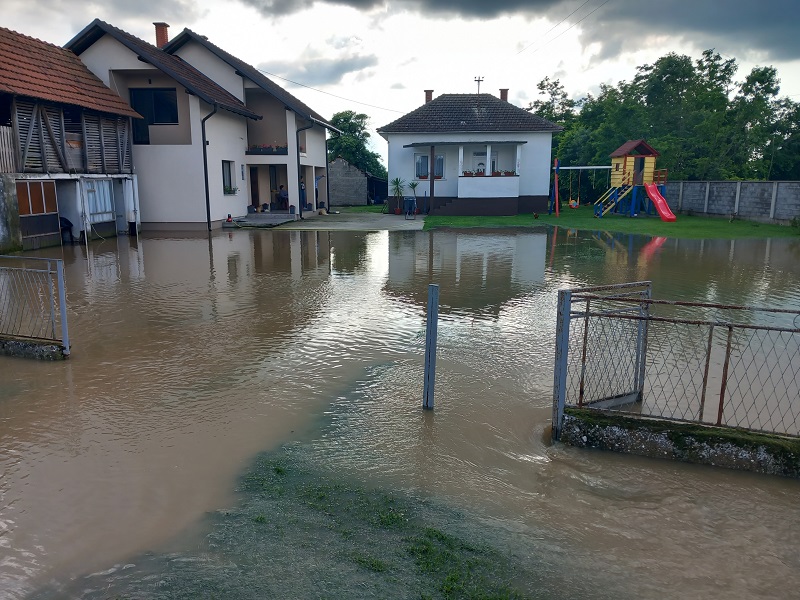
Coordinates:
[492,143]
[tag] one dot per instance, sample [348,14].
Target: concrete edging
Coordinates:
[701,444]
[38,349]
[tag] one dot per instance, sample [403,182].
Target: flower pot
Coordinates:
[422,177]
[397,211]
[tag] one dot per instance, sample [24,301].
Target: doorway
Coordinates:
[254,198]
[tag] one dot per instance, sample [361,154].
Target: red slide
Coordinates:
[659,202]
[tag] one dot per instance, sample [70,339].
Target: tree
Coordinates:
[352,144]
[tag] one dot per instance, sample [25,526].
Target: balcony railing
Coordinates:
[267,149]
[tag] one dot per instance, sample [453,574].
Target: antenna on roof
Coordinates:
[478,80]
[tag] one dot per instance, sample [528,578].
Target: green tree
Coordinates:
[352,144]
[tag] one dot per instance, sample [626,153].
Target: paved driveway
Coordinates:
[356,222]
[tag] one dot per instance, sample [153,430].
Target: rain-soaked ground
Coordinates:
[240,418]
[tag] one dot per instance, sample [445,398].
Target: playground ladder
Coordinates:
[610,199]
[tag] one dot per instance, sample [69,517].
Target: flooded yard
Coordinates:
[191,356]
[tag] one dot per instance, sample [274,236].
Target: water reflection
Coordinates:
[480,273]
[192,354]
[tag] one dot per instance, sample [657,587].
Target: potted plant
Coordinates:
[468,174]
[397,187]
[229,190]
[422,177]
[511,173]
[497,173]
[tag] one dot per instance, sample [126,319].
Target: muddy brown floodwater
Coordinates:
[192,355]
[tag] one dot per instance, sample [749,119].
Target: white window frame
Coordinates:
[424,160]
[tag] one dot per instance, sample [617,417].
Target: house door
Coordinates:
[254,200]
[479,162]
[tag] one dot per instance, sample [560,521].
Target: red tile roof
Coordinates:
[181,71]
[250,72]
[36,69]
[641,147]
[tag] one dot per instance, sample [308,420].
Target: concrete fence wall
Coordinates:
[771,201]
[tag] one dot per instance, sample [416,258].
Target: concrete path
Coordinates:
[356,222]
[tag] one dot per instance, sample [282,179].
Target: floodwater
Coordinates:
[192,354]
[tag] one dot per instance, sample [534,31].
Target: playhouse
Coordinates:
[634,179]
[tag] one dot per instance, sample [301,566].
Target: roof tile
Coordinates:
[37,69]
[468,113]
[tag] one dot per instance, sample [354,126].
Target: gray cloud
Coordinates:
[320,71]
[733,26]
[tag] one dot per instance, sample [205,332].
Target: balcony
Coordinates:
[255,149]
[480,186]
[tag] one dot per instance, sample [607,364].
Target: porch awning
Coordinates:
[472,143]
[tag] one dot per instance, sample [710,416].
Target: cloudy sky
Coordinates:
[377,56]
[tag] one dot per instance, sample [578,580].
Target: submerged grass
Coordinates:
[686,226]
[302,532]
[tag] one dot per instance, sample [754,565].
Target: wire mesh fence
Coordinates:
[725,365]
[33,299]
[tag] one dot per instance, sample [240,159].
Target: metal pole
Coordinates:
[430,346]
[641,342]
[52,299]
[62,305]
[562,348]
[705,372]
[724,375]
[583,354]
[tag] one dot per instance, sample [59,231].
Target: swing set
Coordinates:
[573,202]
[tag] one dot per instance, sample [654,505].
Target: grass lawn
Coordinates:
[583,218]
[373,208]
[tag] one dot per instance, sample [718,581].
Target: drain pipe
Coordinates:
[205,163]
[299,173]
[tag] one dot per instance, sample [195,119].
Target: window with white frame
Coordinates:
[422,163]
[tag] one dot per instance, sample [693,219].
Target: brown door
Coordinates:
[254,186]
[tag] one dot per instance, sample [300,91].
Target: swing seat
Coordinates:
[574,203]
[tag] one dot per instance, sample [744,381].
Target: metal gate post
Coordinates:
[641,342]
[62,305]
[562,350]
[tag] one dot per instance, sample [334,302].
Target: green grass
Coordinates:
[693,227]
[373,208]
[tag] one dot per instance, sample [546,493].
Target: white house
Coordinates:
[472,154]
[216,136]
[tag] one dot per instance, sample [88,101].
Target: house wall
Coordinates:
[348,184]
[315,147]
[225,133]
[107,51]
[273,128]
[159,134]
[534,173]
[210,65]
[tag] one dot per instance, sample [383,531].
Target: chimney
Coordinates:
[504,94]
[428,96]
[162,37]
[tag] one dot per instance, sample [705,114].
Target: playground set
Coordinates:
[634,179]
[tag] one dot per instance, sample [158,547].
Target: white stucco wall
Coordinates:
[107,54]
[212,67]
[171,179]
[534,172]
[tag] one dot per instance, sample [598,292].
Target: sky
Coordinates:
[377,57]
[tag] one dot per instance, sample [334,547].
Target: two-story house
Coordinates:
[216,137]
[65,148]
